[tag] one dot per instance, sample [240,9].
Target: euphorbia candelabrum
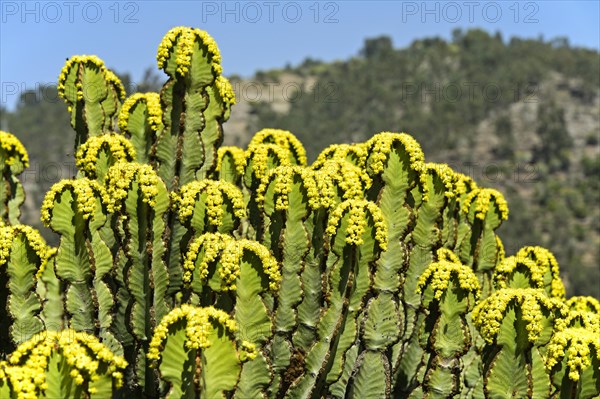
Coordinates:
[186,269]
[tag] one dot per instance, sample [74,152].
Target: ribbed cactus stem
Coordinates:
[140,119]
[283,139]
[99,153]
[197,352]
[515,324]
[93,95]
[140,200]
[13,161]
[63,364]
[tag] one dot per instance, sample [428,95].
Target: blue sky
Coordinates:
[36,36]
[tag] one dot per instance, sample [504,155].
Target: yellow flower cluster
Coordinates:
[6,239]
[225,90]
[212,244]
[335,175]
[488,314]
[447,255]
[121,175]
[216,192]
[87,155]
[442,172]
[356,154]
[264,156]
[85,194]
[283,139]
[231,252]
[183,39]
[268,261]
[506,268]
[482,198]
[579,318]
[111,78]
[358,213]
[500,248]
[584,303]
[13,149]
[238,156]
[83,353]
[463,184]
[34,240]
[283,178]
[577,345]
[546,261]
[439,275]
[153,110]
[380,145]
[74,62]
[199,325]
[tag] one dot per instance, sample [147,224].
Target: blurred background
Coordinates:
[506,92]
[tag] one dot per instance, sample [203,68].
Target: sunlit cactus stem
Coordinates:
[449,292]
[516,324]
[197,352]
[13,161]
[62,364]
[357,235]
[195,101]
[140,119]
[140,200]
[23,256]
[76,209]
[93,95]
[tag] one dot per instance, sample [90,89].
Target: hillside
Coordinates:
[518,115]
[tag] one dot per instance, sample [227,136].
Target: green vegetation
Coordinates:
[200,271]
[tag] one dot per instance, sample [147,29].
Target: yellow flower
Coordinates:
[359,212]
[84,192]
[214,194]
[237,155]
[120,178]
[380,145]
[439,274]
[13,150]
[199,322]
[576,344]
[488,314]
[355,154]
[283,139]
[153,111]
[114,145]
[482,198]
[180,40]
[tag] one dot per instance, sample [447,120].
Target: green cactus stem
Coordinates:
[197,352]
[358,235]
[98,154]
[76,209]
[14,160]
[93,94]
[449,292]
[195,101]
[63,364]
[23,252]
[516,324]
[140,200]
[140,119]
[284,139]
